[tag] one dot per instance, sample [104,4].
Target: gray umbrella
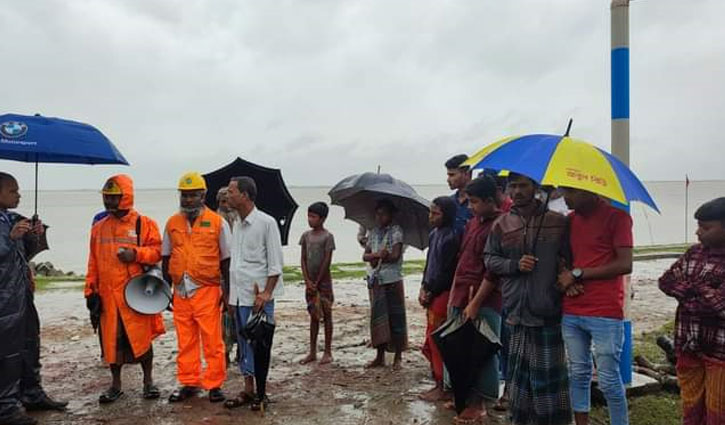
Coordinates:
[358,195]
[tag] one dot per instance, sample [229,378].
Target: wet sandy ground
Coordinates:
[650,307]
[341,393]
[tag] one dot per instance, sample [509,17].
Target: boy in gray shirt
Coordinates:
[317,246]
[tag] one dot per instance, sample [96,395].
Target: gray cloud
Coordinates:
[323,89]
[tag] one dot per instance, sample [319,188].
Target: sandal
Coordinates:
[239,401]
[151,392]
[182,394]
[110,395]
[259,404]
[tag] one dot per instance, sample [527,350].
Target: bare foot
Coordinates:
[434,394]
[397,365]
[502,404]
[376,363]
[470,415]
[309,359]
[326,358]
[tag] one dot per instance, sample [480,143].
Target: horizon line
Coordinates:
[320,186]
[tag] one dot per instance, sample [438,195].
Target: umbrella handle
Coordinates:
[543,217]
[35,214]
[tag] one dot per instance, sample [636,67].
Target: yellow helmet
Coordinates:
[192,181]
[111,187]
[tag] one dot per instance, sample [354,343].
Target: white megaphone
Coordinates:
[148,293]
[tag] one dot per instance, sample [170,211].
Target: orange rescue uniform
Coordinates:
[108,276]
[195,252]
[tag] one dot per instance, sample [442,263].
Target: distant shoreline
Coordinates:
[151,189]
[357,270]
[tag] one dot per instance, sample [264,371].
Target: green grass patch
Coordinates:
[650,249]
[356,270]
[42,282]
[655,409]
[663,408]
[646,343]
[350,271]
[291,274]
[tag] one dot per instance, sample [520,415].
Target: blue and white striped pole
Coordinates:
[620,142]
[620,80]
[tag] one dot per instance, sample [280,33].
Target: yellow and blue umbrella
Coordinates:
[563,161]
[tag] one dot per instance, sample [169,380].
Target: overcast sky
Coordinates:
[327,88]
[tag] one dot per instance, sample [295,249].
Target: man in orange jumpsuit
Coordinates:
[196,260]
[121,244]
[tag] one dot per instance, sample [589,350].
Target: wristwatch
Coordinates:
[578,274]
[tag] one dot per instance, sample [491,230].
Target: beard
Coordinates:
[191,211]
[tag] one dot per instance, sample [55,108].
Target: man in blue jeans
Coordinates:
[255,274]
[601,245]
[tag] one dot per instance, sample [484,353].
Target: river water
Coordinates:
[69,213]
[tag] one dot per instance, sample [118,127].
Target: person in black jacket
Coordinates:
[19,324]
[440,267]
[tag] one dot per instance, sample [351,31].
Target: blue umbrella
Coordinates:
[41,139]
[555,160]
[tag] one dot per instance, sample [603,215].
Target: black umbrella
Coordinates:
[272,195]
[359,193]
[465,346]
[259,331]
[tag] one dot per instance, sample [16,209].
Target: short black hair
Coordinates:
[712,211]
[319,208]
[247,185]
[454,163]
[514,176]
[387,205]
[5,177]
[449,208]
[495,175]
[483,187]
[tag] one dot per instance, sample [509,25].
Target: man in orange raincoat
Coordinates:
[196,259]
[121,244]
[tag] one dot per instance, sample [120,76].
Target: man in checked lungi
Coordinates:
[525,249]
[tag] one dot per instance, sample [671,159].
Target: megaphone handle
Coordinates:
[170,296]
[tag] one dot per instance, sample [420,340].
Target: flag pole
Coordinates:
[687,204]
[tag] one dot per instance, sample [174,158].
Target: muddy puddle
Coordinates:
[340,393]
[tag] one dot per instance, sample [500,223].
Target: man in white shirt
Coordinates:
[255,272]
